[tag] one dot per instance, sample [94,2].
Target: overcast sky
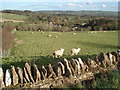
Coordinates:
[35,5]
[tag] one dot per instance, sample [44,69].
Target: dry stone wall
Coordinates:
[66,72]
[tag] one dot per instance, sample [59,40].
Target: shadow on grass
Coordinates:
[39,60]
[97,45]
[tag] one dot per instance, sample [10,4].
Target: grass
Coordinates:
[13,16]
[38,48]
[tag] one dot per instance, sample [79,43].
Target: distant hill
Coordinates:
[105,13]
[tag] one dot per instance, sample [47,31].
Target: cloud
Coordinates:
[103,5]
[80,6]
[89,2]
[71,4]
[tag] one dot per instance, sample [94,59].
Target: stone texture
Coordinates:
[66,72]
[78,67]
[93,66]
[20,74]
[84,67]
[74,65]
[25,75]
[1,78]
[14,76]
[50,72]
[8,80]
[71,68]
[28,69]
[43,73]
[117,56]
[58,71]
[36,73]
[111,58]
[67,68]
[60,64]
[97,60]
[103,58]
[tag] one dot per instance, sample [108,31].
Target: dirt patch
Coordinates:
[9,20]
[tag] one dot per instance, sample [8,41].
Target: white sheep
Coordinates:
[58,53]
[49,35]
[75,51]
[32,32]
[74,33]
[42,32]
[56,36]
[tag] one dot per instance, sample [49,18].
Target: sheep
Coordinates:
[74,33]
[58,53]
[42,32]
[31,32]
[49,35]
[75,51]
[93,32]
[56,36]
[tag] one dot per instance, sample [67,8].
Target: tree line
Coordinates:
[61,22]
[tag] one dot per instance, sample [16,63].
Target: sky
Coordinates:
[76,5]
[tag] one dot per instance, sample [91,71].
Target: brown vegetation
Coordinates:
[7,37]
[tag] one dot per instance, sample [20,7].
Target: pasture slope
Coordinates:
[38,47]
[13,17]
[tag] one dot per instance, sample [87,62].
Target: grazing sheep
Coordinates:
[49,35]
[56,36]
[32,32]
[42,32]
[58,53]
[74,33]
[75,51]
[93,32]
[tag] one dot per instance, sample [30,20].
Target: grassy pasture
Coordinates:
[13,16]
[38,47]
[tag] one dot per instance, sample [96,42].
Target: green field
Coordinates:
[38,47]
[13,16]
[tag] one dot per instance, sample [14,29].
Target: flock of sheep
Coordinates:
[59,53]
